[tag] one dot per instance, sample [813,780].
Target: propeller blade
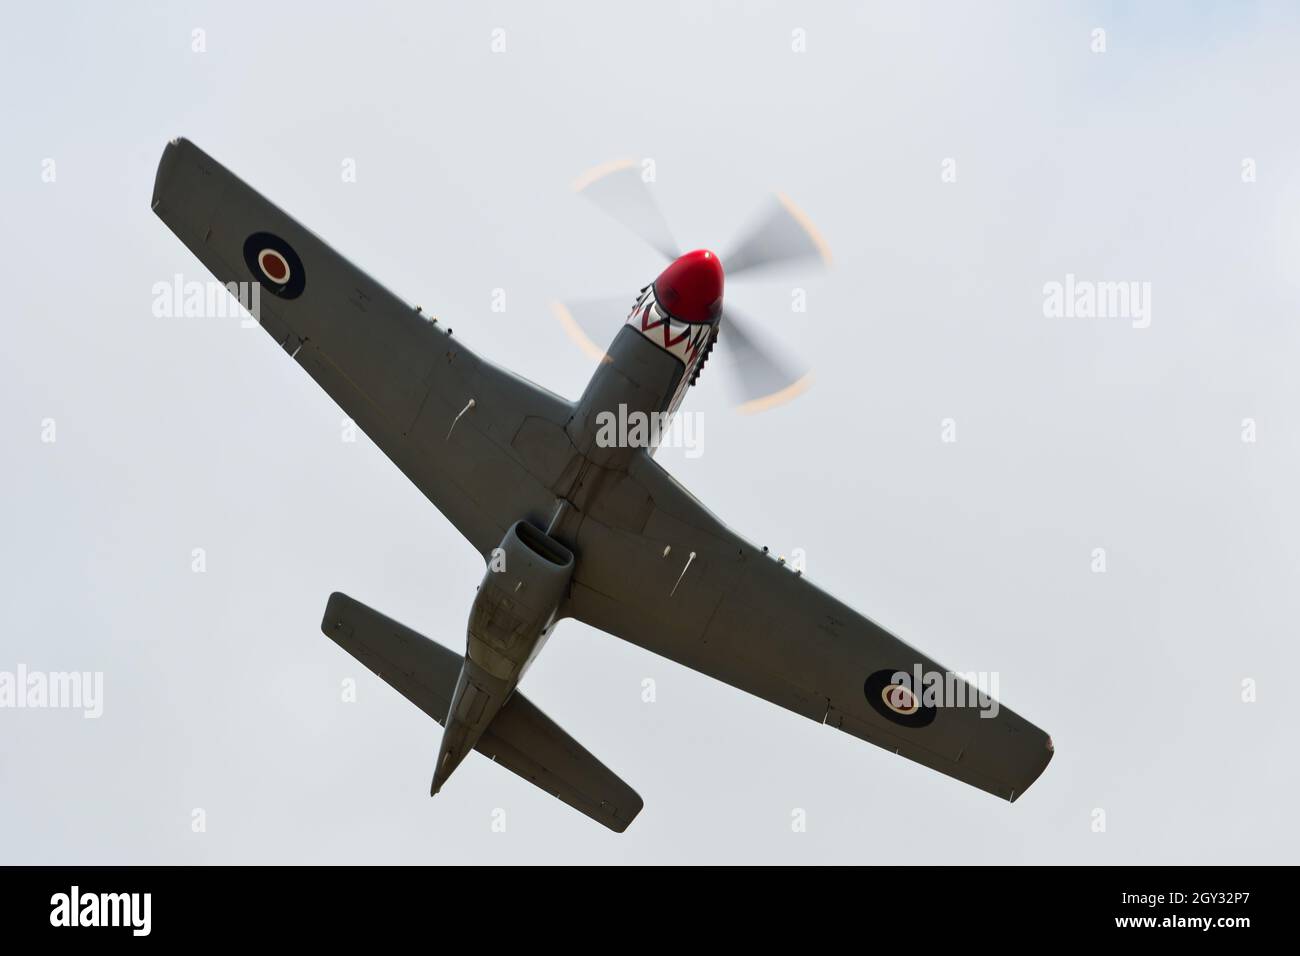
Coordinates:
[619,191]
[588,321]
[782,234]
[762,378]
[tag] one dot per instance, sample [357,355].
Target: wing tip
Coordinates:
[624,814]
[1050,749]
[166,165]
[334,610]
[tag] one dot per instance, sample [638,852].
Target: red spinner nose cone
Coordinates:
[690,289]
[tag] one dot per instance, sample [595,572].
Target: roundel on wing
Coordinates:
[896,700]
[275,265]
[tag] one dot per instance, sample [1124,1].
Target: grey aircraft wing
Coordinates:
[662,572]
[404,379]
[520,738]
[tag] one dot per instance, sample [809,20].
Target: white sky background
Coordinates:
[1073,434]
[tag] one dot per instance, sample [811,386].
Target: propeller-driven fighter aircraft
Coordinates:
[571,526]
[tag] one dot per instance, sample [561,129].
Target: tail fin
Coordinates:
[521,738]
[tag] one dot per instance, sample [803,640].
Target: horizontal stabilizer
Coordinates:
[521,738]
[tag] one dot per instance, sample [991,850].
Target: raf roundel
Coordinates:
[900,700]
[895,700]
[275,265]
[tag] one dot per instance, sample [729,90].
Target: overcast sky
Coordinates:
[1170,160]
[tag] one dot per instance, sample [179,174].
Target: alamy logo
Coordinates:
[57,690]
[1085,299]
[75,908]
[208,299]
[637,429]
[924,688]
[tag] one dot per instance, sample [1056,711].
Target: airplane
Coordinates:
[570,526]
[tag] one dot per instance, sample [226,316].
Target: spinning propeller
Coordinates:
[762,377]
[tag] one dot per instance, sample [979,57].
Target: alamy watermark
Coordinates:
[76,908]
[637,429]
[23,689]
[207,299]
[1085,299]
[907,692]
